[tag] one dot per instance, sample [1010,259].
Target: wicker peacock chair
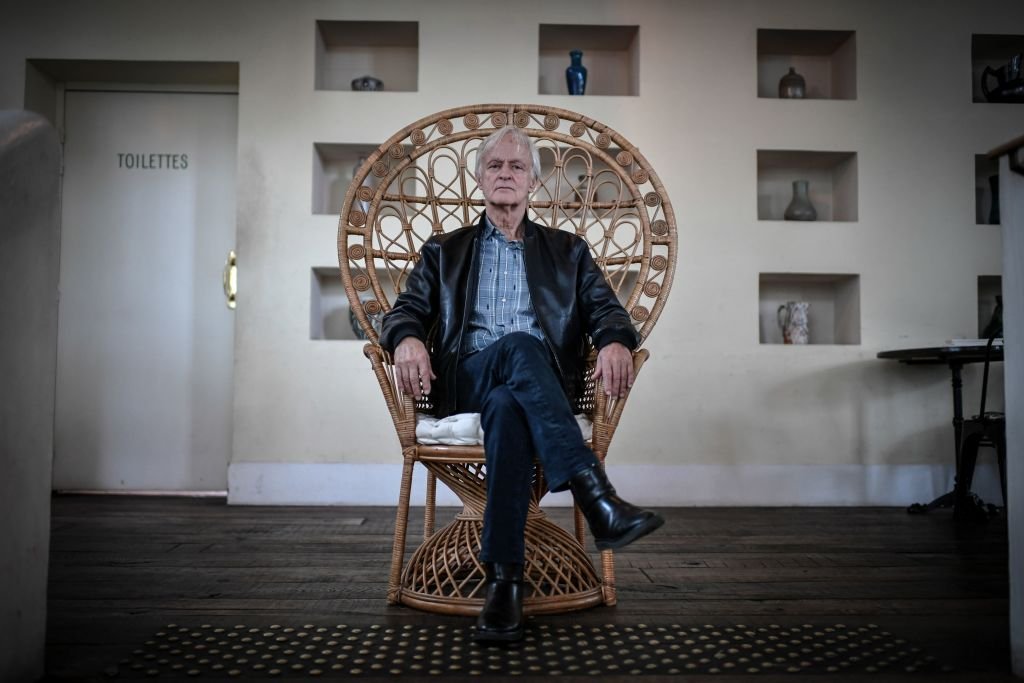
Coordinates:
[420,182]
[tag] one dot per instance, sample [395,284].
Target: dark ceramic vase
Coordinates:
[367,83]
[576,74]
[792,86]
[1009,81]
[357,329]
[800,207]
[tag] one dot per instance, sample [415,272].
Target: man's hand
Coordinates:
[412,366]
[615,366]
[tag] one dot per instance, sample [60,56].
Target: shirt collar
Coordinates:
[491,232]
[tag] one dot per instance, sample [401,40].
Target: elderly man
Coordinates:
[505,306]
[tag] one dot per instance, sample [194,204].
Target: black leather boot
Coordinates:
[614,522]
[501,619]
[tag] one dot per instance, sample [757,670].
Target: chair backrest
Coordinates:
[993,329]
[421,182]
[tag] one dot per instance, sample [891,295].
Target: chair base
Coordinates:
[471,607]
[444,575]
[981,430]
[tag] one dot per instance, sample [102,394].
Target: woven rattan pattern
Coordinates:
[594,183]
[420,182]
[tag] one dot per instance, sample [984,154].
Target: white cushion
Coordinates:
[464,429]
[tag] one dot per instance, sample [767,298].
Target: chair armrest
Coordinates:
[401,407]
[607,409]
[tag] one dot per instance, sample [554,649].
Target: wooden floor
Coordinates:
[124,568]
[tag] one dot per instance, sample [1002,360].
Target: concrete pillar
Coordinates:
[29,269]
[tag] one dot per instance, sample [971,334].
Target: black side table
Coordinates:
[956,357]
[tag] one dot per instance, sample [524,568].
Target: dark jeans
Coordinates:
[514,385]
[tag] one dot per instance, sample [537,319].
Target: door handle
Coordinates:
[230,278]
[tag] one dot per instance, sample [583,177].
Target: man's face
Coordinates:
[508,174]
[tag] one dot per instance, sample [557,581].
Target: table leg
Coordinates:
[958,410]
[950,498]
[966,506]
[959,491]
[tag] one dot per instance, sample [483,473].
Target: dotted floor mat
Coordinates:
[247,652]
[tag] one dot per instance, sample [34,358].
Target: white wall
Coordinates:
[29,221]
[713,401]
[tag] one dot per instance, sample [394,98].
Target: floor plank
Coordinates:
[123,568]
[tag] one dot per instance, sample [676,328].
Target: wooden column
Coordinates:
[1011,209]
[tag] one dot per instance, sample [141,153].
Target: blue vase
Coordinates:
[576,74]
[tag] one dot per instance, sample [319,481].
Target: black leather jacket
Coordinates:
[569,293]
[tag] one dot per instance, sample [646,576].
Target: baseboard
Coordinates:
[276,483]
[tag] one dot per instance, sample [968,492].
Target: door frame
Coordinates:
[58,117]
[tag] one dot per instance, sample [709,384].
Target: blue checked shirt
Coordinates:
[503,302]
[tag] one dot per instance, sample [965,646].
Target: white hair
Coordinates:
[497,136]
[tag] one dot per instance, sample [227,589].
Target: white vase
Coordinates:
[792,317]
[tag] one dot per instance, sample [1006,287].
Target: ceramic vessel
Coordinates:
[800,207]
[367,83]
[792,86]
[357,329]
[576,74]
[1009,85]
[792,317]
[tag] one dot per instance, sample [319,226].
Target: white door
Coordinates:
[145,340]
